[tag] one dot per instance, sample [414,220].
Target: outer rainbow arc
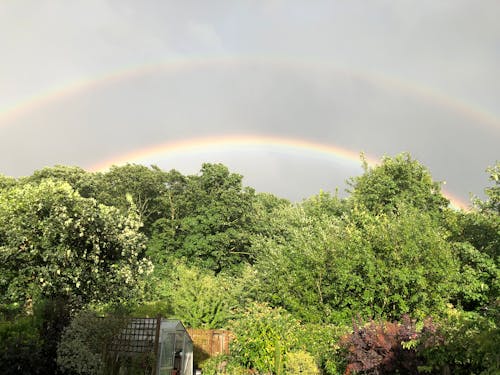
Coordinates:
[215,143]
[87,84]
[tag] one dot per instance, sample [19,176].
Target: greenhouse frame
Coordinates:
[154,346]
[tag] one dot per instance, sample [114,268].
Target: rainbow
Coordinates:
[236,143]
[88,84]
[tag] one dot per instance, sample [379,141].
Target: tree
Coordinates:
[54,243]
[196,296]
[148,188]
[80,180]
[395,180]
[263,337]
[293,264]
[475,236]
[414,268]
[209,223]
[328,269]
[7,182]
[492,203]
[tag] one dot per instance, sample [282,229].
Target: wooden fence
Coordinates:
[209,342]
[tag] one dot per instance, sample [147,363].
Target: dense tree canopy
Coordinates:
[210,219]
[399,179]
[146,186]
[53,242]
[420,278]
[330,269]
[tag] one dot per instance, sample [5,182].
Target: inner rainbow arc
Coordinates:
[218,143]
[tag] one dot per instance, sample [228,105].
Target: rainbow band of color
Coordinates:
[213,144]
[90,83]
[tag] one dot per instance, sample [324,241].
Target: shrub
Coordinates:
[382,348]
[322,342]
[20,347]
[82,349]
[263,336]
[463,343]
[300,362]
[223,364]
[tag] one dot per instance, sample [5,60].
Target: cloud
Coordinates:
[343,96]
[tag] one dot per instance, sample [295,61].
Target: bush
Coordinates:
[82,349]
[21,347]
[322,342]
[464,343]
[300,362]
[28,343]
[223,364]
[263,337]
[382,348]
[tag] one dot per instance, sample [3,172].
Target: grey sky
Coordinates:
[376,76]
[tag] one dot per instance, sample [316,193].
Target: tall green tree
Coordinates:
[293,265]
[56,244]
[148,188]
[329,269]
[210,218]
[400,179]
[79,179]
[476,242]
[492,203]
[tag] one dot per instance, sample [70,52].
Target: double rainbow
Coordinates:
[287,145]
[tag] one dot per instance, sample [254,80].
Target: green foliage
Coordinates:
[409,266]
[83,346]
[475,236]
[293,267]
[322,342]
[263,338]
[479,283]
[21,347]
[6,182]
[265,206]
[396,180]
[326,269]
[325,204]
[300,362]
[80,180]
[492,204]
[70,238]
[28,343]
[54,243]
[468,343]
[223,364]
[198,297]
[151,309]
[209,224]
[147,187]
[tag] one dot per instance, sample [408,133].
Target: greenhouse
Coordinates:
[175,355]
[152,346]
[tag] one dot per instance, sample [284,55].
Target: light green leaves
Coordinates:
[68,244]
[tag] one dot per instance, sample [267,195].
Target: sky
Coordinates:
[286,93]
